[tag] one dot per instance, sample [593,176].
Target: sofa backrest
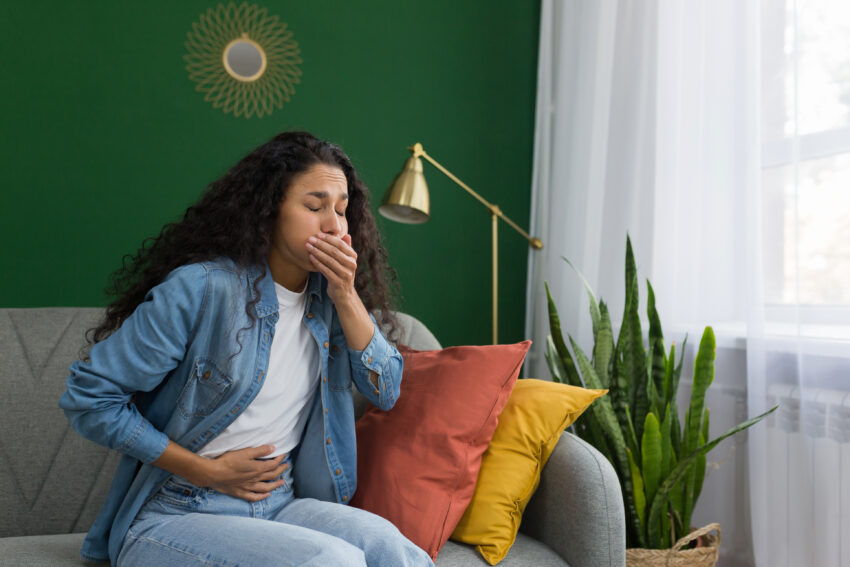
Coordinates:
[51,479]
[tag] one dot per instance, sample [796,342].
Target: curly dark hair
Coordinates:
[236,217]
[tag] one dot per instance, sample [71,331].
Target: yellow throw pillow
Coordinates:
[529,427]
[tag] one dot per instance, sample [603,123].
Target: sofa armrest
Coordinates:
[578,507]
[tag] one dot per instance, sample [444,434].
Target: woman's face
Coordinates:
[314,202]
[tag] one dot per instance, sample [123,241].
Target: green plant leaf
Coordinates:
[571,374]
[658,356]
[556,367]
[658,503]
[688,481]
[666,539]
[603,347]
[703,377]
[677,372]
[656,404]
[669,364]
[640,495]
[676,498]
[596,437]
[675,428]
[652,462]
[667,458]
[603,409]
[666,444]
[633,353]
[619,389]
[630,435]
[594,304]
[701,460]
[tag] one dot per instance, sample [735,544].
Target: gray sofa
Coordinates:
[52,482]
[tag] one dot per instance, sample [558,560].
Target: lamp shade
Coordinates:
[407,198]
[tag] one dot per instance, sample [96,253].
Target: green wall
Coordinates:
[104,139]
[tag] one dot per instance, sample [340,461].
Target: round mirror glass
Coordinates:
[244,60]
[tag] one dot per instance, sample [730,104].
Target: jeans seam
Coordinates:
[201,558]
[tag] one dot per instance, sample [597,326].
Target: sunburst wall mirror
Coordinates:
[243,59]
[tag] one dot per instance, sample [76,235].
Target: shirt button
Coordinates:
[345,498]
[206,375]
[326,411]
[376,392]
[310,315]
[338,471]
[328,441]
[369,360]
[326,344]
[325,379]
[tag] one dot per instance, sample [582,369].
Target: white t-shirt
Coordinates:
[279,412]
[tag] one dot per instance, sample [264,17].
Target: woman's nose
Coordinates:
[332,224]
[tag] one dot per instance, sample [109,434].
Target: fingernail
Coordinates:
[312,239]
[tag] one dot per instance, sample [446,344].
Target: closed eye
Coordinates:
[342,214]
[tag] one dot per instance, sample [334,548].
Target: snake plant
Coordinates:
[659,459]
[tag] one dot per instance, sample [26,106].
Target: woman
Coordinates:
[223,373]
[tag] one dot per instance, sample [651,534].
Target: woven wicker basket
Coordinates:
[704,556]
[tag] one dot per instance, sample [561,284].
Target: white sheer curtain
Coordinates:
[699,129]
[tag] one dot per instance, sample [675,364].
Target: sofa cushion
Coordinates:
[417,463]
[529,427]
[51,479]
[62,550]
[526,551]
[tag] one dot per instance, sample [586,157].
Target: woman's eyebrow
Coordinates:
[324,195]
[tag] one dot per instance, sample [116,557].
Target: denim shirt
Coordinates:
[186,363]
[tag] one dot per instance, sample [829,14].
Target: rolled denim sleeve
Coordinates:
[137,357]
[383,359]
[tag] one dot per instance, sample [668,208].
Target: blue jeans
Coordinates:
[183,525]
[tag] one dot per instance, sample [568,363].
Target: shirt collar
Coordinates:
[316,286]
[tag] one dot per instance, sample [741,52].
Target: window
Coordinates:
[805,128]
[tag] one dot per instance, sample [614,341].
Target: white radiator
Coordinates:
[809,473]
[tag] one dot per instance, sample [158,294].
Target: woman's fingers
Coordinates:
[252,491]
[255,452]
[263,487]
[274,473]
[334,267]
[338,247]
[336,255]
[323,266]
[240,466]
[248,495]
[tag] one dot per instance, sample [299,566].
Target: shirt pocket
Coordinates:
[204,389]
[340,370]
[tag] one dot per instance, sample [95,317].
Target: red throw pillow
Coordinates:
[417,464]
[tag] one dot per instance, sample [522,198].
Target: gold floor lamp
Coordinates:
[407,201]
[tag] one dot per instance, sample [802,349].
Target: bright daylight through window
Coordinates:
[806,161]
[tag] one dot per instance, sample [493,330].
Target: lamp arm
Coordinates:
[494,209]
